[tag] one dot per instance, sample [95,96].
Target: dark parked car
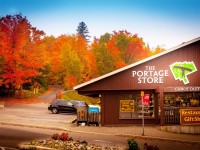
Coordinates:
[66,106]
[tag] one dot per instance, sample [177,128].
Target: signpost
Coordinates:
[142,97]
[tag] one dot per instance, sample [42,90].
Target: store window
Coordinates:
[131,106]
[182,100]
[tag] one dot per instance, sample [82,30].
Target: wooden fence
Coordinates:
[82,116]
[88,117]
[94,118]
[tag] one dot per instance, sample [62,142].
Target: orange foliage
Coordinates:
[120,64]
[158,50]
[70,81]
[136,49]
[22,101]
[113,48]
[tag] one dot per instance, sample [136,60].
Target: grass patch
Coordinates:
[73,95]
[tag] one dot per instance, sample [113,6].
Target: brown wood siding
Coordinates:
[110,111]
[111,108]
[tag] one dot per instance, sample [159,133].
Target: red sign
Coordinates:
[146,99]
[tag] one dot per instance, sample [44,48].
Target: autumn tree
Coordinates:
[113,51]
[122,41]
[105,38]
[137,49]
[104,59]
[87,58]
[158,50]
[83,31]
[131,47]
[69,60]
[47,52]
[72,67]
[19,51]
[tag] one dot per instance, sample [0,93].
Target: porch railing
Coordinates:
[172,115]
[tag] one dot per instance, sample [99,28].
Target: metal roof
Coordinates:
[136,63]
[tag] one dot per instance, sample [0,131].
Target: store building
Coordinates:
[170,82]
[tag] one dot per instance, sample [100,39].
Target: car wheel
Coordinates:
[55,110]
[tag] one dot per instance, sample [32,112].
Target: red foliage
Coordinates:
[70,81]
[63,136]
[21,58]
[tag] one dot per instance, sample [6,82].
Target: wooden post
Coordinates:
[156,102]
[161,101]
[1,104]
[34,91]
[102,99]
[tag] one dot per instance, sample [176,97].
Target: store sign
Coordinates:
[150,75]
[126,105]
[190,116]
[181,70]
[182,89]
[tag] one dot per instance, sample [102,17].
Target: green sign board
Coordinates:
[181,70]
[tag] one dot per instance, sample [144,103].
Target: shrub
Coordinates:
[70,139]
[63,136]
[55,136]
[84,142]
[28,94]
[133,145]
[150,147]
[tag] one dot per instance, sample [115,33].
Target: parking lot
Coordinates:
[33,113]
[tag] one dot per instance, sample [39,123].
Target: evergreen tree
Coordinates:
[83,31]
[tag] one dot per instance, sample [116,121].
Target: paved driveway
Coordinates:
[33,114]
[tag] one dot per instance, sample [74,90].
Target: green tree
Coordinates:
[83,31]
[122,41]
[71,66]
[105,62]
[105,38]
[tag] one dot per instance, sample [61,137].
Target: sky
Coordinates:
[166,23]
